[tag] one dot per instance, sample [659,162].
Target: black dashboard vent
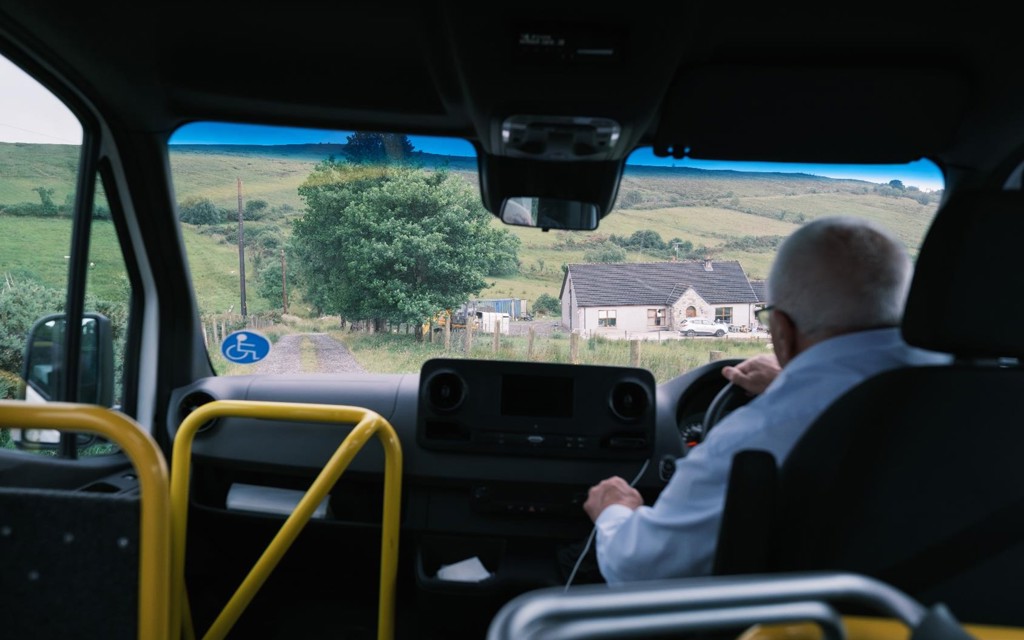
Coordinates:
[190,403]
[445,391]
[629,400]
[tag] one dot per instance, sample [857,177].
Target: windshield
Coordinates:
[339,251]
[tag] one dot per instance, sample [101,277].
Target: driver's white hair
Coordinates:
[840,274]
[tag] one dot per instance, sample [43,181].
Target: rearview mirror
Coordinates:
[549,213]
[44,358]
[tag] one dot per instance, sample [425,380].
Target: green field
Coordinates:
[705,208]
[23,167]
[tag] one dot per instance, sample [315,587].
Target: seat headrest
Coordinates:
[967,294]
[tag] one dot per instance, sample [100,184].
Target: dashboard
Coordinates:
[497,460]
[526,438]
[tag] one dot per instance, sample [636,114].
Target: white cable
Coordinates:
[593,532]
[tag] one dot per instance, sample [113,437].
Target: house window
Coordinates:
[723,314]
[606,317]
[691,312]
[655,317]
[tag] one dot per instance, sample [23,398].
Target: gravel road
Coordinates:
[331,355]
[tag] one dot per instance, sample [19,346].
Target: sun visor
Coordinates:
[828,114]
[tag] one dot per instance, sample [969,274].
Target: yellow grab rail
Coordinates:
[368,423]
[154,505]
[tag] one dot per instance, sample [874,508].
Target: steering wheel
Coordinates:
[728,399]
[697,389]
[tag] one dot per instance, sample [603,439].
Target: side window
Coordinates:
[655,317]
[41,157]
[606,318]
[108,292]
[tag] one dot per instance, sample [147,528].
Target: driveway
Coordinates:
[331,356]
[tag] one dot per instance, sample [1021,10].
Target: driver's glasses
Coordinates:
[764,316]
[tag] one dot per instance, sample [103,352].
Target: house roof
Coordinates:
[658,283]
[759,290]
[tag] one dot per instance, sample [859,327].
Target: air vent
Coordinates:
[190,403]
[445,391]
[629,400]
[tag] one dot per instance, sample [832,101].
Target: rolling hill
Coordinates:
[725,212]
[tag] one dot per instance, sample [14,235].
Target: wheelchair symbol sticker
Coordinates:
[244,347]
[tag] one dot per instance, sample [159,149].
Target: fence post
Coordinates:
[497,336]
[469,337]
[529,343]
[448,333]
[634,353]
[574,348]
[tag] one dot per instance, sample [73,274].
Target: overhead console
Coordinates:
[537,409]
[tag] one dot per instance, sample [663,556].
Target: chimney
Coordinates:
[707,265]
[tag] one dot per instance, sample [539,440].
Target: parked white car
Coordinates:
[702,327]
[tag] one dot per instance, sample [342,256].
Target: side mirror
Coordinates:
[43,359]
[549,213]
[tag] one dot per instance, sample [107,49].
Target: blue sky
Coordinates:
[922,174]
[37,116]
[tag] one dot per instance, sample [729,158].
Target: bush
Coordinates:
[630,199]
[256,210]
[10,386]
[605,252]
[548,305]
[23,209]
[199,211]
[22,302]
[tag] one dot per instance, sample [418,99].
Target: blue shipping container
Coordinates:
[515,307]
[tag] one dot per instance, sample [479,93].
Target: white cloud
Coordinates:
[30,113]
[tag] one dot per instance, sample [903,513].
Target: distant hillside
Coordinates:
[735,215]
[313,153]
[273,172]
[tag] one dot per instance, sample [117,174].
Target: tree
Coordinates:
[270,284]
[646,239]
[378,148]
[396,245]
[46,200]
[195,210]
[504,255]
[262,242]
[681,248]
[897,184]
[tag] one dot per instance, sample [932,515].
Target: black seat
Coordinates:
[916,476]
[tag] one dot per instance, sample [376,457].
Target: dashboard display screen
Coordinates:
[536,396]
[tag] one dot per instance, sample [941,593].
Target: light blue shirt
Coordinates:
[676,537]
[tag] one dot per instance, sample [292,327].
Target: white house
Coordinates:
[652,296]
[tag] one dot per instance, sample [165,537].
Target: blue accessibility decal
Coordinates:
[245,347]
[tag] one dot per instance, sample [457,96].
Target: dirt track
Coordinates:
[331,355]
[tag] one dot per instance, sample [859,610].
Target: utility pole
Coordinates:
[241,249]
[284,282]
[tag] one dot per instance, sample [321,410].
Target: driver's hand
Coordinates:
[753,374]
[611,491]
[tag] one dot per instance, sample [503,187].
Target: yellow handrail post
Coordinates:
[368,423]
[154,505]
